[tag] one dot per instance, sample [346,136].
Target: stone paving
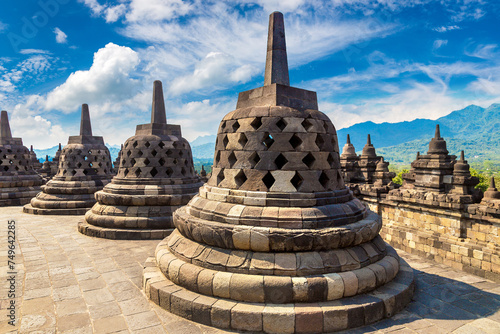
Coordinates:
[67,282]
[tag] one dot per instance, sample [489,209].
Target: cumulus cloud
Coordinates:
[108,79]
[113,13]
[61,37]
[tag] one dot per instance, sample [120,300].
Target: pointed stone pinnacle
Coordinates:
[31,148]
[85,126]
[492,183]
[418,154]
[4,126]
[276,58]
[158,114]
[59,147]
[462,158]
[438,133]
[47,157]
[369,140]
[348,139]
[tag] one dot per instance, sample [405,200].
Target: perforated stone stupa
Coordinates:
[84,168]
[349,163]
[275,242]
[18,181]
[34,160]
[156,176]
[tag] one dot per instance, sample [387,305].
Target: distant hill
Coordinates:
[51,152]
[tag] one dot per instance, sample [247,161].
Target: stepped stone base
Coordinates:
[28,208]
[123,234]
[341,314]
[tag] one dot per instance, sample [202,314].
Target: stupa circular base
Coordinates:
[28,208]
[123,234]
[336,315]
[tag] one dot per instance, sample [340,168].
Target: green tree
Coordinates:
[399,177]
[484,181]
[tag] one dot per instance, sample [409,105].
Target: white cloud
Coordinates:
[487,51]
[215,69]
[439,43]
[157,10]
[61,37]
[113,13]
[446,28]
[34,51]
[108,79]
[3,26]
[94,5]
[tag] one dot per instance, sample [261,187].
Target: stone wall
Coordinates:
[466,239]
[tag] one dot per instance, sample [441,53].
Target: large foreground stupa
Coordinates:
[18,181]
[156,176]
[274,241]
[84,168]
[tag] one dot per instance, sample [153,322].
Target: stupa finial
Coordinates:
[4,126]
[276,59]
[438,132]
[368,140]
[462,157]
[348,139]
[85,126]
[158,114]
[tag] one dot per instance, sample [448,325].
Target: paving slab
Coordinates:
[67,282]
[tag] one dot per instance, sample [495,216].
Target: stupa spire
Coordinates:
[437,135]
[368,140]
[85,126]
[348,139]
[4,126]
[158,114]
[276,59]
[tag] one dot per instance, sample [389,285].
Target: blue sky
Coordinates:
[377,60]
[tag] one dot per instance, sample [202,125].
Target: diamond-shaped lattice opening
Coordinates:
[161,144]
[254,159]
[129,153]
[186,162]
[99,164]
[181,153]
[183,171]
[125,172]
[11,162]
[280,161]
[140,153]
[268,140]
[268,180]
[135,144]
[176,144]
[236,126]
[325,126]
[240,178]
[132,162]
[153,172]
[147,144]
[138,172]
[73,172]
[64,171]
[161,161]
[85,158]
[323,179]
[146,162]
[243,140]
[296,180]
[309,160]
[231,159]
[295,141]
[175,161]
[225,141]
[90,164]
[220,177]
[6,168]
[169,152]
[217,157]
[306,123]
[256,123]
[330,159]
[17,168]
[319,141]
[281,124]
[154,153]
[123,161]
[223,125]
[79,165]
[89,152]
[169,171]
[85,171]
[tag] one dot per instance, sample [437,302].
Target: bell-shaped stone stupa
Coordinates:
[275,242]
[84,168]
[18,181]
[349,163]
[156,176]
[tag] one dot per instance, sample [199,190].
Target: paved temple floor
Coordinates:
[66,282]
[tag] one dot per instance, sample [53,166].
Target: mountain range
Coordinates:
[474,129]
